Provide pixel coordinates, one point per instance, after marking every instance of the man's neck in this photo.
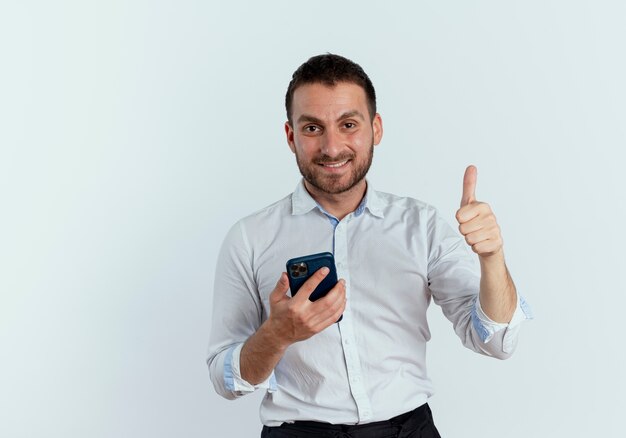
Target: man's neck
(340, 204)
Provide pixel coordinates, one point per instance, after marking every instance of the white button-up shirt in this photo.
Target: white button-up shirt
(395, 254)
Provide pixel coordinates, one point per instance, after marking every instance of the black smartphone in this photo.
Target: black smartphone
(299, 270)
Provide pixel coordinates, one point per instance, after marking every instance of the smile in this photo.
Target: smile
(335, 165)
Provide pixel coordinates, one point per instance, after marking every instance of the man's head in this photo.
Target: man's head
(333, 125)
(330, 70)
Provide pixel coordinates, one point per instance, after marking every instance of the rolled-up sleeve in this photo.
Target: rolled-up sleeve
(237, 314)
(506, 333)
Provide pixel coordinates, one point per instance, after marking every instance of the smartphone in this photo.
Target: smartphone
(299, 270)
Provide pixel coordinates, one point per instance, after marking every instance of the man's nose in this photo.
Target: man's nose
(333, 143)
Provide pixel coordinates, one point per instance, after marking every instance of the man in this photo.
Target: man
(364, 376)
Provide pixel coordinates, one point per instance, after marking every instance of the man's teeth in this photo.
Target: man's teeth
(336, 164)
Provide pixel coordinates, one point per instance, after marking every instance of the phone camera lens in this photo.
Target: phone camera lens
(298, 270)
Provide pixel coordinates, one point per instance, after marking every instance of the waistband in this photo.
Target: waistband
(422, 412)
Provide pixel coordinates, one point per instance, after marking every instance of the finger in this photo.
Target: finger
(469, 185)
(333, 318)
(487, 247)
(482, 235)
(309, 286)
(333, 298)
(328, 312)
(467, 213)
(467, 227)
(280, 291)
(474, 217)
(342, 302)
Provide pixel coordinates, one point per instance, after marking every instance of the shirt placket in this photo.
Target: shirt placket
(346, 328)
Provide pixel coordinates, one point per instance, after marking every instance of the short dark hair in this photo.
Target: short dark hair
(330, 69)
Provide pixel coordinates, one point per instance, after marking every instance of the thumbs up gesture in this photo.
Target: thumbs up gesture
(477, 223)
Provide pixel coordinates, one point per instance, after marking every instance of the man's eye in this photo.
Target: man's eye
(349, 125)
(311, 128)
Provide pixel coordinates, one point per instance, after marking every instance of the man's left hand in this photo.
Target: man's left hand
(476, 220)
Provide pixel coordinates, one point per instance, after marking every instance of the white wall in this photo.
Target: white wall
(134, 133)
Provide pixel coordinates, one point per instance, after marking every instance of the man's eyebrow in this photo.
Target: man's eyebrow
(305, 118)
(351, 114)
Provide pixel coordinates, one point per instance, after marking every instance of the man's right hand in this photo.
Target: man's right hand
(291, 319)
(297, 318)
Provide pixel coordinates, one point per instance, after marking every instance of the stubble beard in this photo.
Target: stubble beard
(331, 184)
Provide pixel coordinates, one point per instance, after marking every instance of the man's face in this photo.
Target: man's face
(333, 136)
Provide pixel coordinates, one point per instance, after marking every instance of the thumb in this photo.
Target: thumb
(281, 289)
(469, 186)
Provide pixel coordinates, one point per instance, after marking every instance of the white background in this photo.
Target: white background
(134, 133)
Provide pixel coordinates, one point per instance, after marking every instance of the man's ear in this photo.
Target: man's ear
(289, 133)
(377, 127)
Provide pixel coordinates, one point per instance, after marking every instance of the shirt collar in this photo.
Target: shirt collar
(302, 202)
(373, 202)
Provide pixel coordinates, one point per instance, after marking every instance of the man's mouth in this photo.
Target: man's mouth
(335, 165)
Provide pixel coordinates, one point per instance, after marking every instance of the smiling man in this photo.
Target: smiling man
(364, 376)
(333, 137)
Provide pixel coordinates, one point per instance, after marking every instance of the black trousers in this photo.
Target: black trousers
(414, 424)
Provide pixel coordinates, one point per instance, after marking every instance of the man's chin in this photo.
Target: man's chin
(331, 187)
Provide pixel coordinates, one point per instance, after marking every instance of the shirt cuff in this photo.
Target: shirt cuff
(487, 328)
(232, 375)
